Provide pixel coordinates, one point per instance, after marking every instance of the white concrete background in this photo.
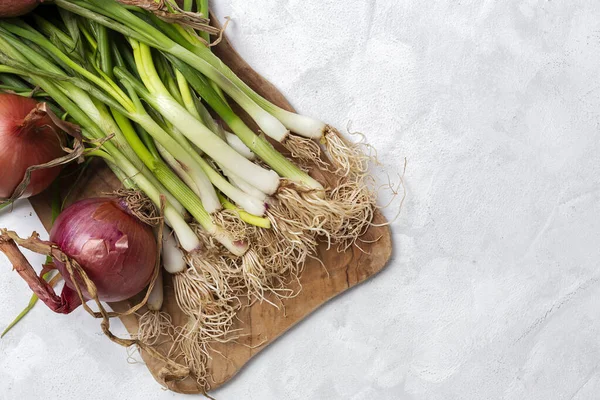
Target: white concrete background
(493, 289)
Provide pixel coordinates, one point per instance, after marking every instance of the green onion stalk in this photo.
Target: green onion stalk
(189, 161)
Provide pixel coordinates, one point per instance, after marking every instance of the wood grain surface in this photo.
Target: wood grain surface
(260, 324)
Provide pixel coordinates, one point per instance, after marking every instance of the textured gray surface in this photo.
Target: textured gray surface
(493, 290)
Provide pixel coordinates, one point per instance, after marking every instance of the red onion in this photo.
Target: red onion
(116, 250)
(27, 138)
(15, 8)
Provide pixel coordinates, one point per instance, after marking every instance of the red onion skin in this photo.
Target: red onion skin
(116, 250)
(16, 8)
(22, 146)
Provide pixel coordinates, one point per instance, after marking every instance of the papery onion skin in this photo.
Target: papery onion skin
(16, 8)
(36, 143)
(116, 250)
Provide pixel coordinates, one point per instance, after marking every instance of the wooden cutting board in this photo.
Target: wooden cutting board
(260, 324)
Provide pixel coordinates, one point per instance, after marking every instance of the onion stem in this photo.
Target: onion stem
(32, 302)
(39, 39)
(156, 297)
(264, 223)
(173, 258)
(55, 35)
(187, 5)
(203, 9)
(186, 96)
(239, 146)
(242, 184)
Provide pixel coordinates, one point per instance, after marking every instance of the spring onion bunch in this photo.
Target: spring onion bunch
(153, 101)
(183, 47)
